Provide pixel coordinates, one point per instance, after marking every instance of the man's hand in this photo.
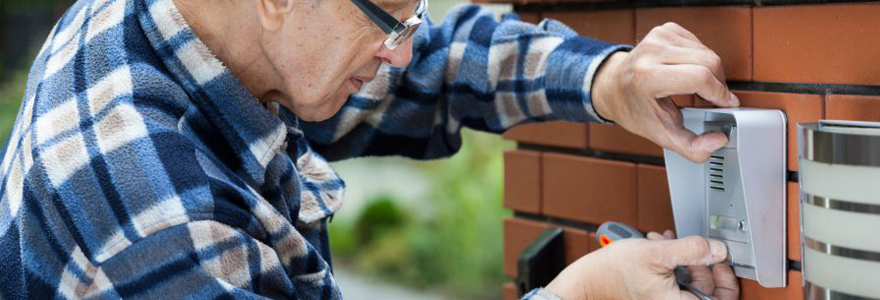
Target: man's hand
(632, 89)
(643, 269)
(718, 281)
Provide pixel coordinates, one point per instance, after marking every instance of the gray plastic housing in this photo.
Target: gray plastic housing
(738, 195)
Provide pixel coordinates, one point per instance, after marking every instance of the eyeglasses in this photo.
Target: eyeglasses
(397, 32)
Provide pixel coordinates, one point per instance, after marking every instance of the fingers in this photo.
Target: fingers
(689, 251)
(718, 281)
(673, 45)
(667, 235)
(685, 79)
(684, 33)
(672, 61)
(655, 236)
(675, 34)
(702, 279)
(674, 55)
(726, 285)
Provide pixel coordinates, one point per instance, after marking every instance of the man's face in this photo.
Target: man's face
(324, 52)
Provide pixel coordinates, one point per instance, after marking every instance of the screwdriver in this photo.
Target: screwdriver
(611, 231)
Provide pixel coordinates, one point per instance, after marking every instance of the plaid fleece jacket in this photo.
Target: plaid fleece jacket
(139, 166)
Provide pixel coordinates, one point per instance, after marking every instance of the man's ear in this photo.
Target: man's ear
(273, 12)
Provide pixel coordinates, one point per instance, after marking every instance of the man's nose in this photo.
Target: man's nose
(399, 57)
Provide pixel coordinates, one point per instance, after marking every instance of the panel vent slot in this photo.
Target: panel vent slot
(716, 173)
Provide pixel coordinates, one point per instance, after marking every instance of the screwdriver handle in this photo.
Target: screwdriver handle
(611, 231)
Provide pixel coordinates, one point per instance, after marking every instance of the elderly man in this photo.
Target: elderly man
(179, 148)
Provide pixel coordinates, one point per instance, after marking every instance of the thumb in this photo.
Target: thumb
(697, 148)
(689, 251)
(708, 142)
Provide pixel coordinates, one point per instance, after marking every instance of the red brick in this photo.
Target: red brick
(654, 203)
(518, 234)
(594, 242)
(613, 26)
(799, 108)
(817, 44)
(727, 30)
(522, 181)
(528, 17)
(553, 133)
(509, 291)
(613, 138)
(700, 102)
(793, 232)
(852, 107)
(577, 244)
(588, 189)
(752, 290)
(683, 100)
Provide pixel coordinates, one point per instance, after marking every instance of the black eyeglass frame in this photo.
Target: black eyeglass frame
(397, 32)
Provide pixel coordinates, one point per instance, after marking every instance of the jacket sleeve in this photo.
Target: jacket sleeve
(472, 71)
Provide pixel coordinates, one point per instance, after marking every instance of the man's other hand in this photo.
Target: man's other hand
(644, 269)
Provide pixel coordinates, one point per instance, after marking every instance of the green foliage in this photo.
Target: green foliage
(379, 216)
(457, 247)
(11, 94)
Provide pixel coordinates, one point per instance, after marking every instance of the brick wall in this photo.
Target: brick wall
(813, 61)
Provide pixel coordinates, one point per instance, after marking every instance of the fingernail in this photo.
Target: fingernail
(718, 249)
(734, 100)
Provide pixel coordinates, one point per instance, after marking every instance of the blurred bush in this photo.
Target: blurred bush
(456, 248)
(30, 3)
(11, 94)
(24, 25)
(378, 217)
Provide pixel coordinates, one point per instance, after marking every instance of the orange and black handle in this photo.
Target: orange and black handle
(611, 231)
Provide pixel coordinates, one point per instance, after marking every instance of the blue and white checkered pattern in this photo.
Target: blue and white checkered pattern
(140, 167)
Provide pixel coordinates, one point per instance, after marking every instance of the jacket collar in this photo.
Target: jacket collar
(255, 134)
